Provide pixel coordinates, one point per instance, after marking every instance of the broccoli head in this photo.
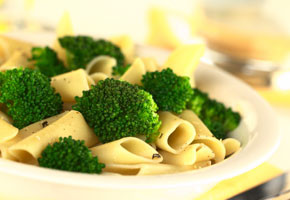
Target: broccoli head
(46, 61)
(28, 96)
(169, 91)
(70, 155)
(117, 109)
(82, 49)
(216, 116)
(119, 70)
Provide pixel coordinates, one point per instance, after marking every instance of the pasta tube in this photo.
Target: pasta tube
(102, 64)
(232, 145)
(200, 127)
(71, 84)
(150, 63)
(175, 133)
(98, 76)
(71, 124)
(126, 45)
(128, 150)
(216, 146)
(17, 59)
(7, 131)
(134, 74)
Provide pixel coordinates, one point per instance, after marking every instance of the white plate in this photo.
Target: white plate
(258, 132)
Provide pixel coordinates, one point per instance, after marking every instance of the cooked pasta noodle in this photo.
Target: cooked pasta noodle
(200, 128)
(102, 64)
(126, 45)
(71, 84)
(16, 60)
(190, 155)
(232, 145)
(70, 124)
(151, 64)
(216, 146)
(134, 74)
(7, 131)
(175, 133)
(98, 76)
(128, 150)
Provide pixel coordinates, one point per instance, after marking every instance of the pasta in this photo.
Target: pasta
(184, 142)
(127, 150)
(71, 84)
(175, 134)
(192, 154)
(71, 123)
(7, 131)
(134, 74)
(17, 59)
(231, 145)
(102, 64)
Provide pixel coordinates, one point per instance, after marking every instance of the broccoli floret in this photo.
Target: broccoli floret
(120, 70)
(169, 91)
(82, 49)
(46, 61)
(70, 155)
(216, 116)
(117, 109)
(28, 96)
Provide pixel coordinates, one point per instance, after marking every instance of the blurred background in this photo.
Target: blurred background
(248, 38)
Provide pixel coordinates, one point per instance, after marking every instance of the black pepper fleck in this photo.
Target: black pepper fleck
(156, 155)
(44, 124)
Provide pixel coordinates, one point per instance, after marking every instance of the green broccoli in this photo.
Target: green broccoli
(28, 96)
(219, 119)
(82, 49)
(120, 70)
(117, 109)
(70, 155)
(46, 61)
(169, 91)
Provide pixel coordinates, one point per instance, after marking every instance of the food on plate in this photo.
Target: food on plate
(101, 108)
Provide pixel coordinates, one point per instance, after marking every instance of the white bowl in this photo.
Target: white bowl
(258, 133)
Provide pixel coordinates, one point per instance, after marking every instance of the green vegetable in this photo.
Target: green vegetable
(120, 70)
(28, 96)
(46, 61)
(82, 49)
(219, 119)
(117, 109)
(169, 91)
(70, 155)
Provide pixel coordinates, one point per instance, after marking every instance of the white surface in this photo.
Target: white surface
(258, 145)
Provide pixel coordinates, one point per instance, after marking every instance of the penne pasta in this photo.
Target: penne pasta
(202, 164)
(189, 156)
(70, 124)
(7, 131)
(200, 127)
(24, 133)
(175, 133)
(146, 169)
(134, 74)
(64, 28)
(126, 45)
(150, 63)
(17, 59)
(71, 84)
(102, 64)
(232, 145)
(98, 76)
(183, 61)
(128, 150)
(9, 45)
(215, 145)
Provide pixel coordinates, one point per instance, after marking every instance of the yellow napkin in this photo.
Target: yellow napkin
(231, 187)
